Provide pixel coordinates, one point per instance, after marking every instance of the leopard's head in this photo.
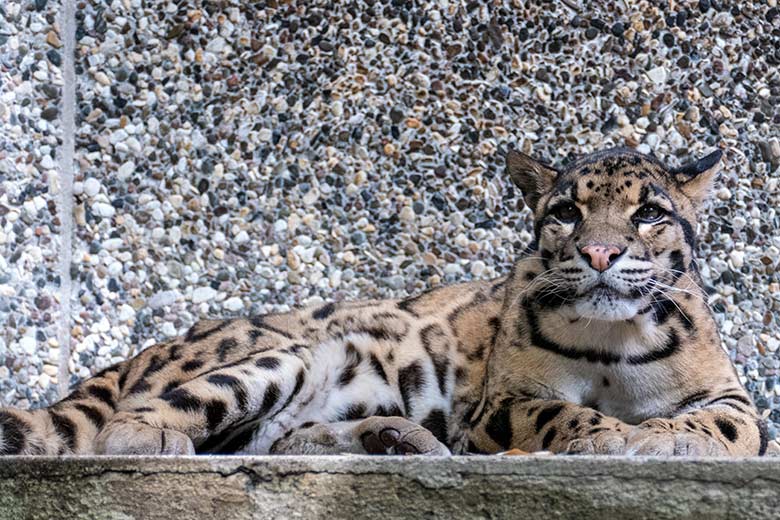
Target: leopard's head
(615, 230)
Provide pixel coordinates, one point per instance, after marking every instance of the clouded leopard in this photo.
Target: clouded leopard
(599, 340)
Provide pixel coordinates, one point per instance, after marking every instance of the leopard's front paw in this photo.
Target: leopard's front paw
(398, 436)
(606, 442)
(134, 438)
(314, 439)
(660, 438)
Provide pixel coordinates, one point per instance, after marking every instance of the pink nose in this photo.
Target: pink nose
(600, 256)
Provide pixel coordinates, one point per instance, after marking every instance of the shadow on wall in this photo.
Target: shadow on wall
(238, 158)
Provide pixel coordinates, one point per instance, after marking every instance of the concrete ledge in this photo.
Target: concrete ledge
(389, 487)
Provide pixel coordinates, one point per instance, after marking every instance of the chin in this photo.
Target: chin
(607, 308)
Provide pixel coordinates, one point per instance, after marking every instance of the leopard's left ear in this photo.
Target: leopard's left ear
(533, 177)
(696, 179)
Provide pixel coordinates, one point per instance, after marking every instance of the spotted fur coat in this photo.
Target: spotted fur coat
(599, 340)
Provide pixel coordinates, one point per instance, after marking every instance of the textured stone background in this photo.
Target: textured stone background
(236, 157)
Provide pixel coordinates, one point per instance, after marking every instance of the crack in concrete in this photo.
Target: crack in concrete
(268, 476)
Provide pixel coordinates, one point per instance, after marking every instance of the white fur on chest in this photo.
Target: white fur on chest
(630, 392)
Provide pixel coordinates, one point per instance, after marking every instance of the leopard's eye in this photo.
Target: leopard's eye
(649, 214)
(566, 212)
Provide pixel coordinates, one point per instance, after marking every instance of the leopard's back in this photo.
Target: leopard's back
(252, 380)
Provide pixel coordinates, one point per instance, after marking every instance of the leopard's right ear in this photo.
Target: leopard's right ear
(532, 177)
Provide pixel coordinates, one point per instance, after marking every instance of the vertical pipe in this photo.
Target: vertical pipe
(65, 206)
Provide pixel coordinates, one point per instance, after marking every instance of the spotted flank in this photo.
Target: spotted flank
(599, 340)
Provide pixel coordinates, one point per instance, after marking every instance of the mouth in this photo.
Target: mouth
(606, 303)
(602, 290)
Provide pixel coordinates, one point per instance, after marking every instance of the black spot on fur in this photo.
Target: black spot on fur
(268, 362)
(478, 299)
(258, 322)
(547, 415)
(193, 335)
(295, 348)
(574, 423)
(238, 441)
(215, 413)
(14, 432)
(353, 360)
(299, 380)
(103, 394)
(672, 347)
(353, 412)
(391, 410)
(377, 366)
(65, 428)
(595, 420)
(107, 371)
(688, 232)
(549, 437)
(605, 382)
(441, 360)
(497, 287)
(476, 355)
(93, 414)
(155, 365)
(436, 423)
(411, 380)
(499, 425)
(181, 399)
(270, 398)
(225, 346)
(408, 304)
(726, 428)
(143, 409)
(384, 331)
(677, 262)
(213, 442)
(663, 309)
(170, 386)
(324, 311)
(140, 387)
(191, 366)
(238, 388)
(175, 353)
